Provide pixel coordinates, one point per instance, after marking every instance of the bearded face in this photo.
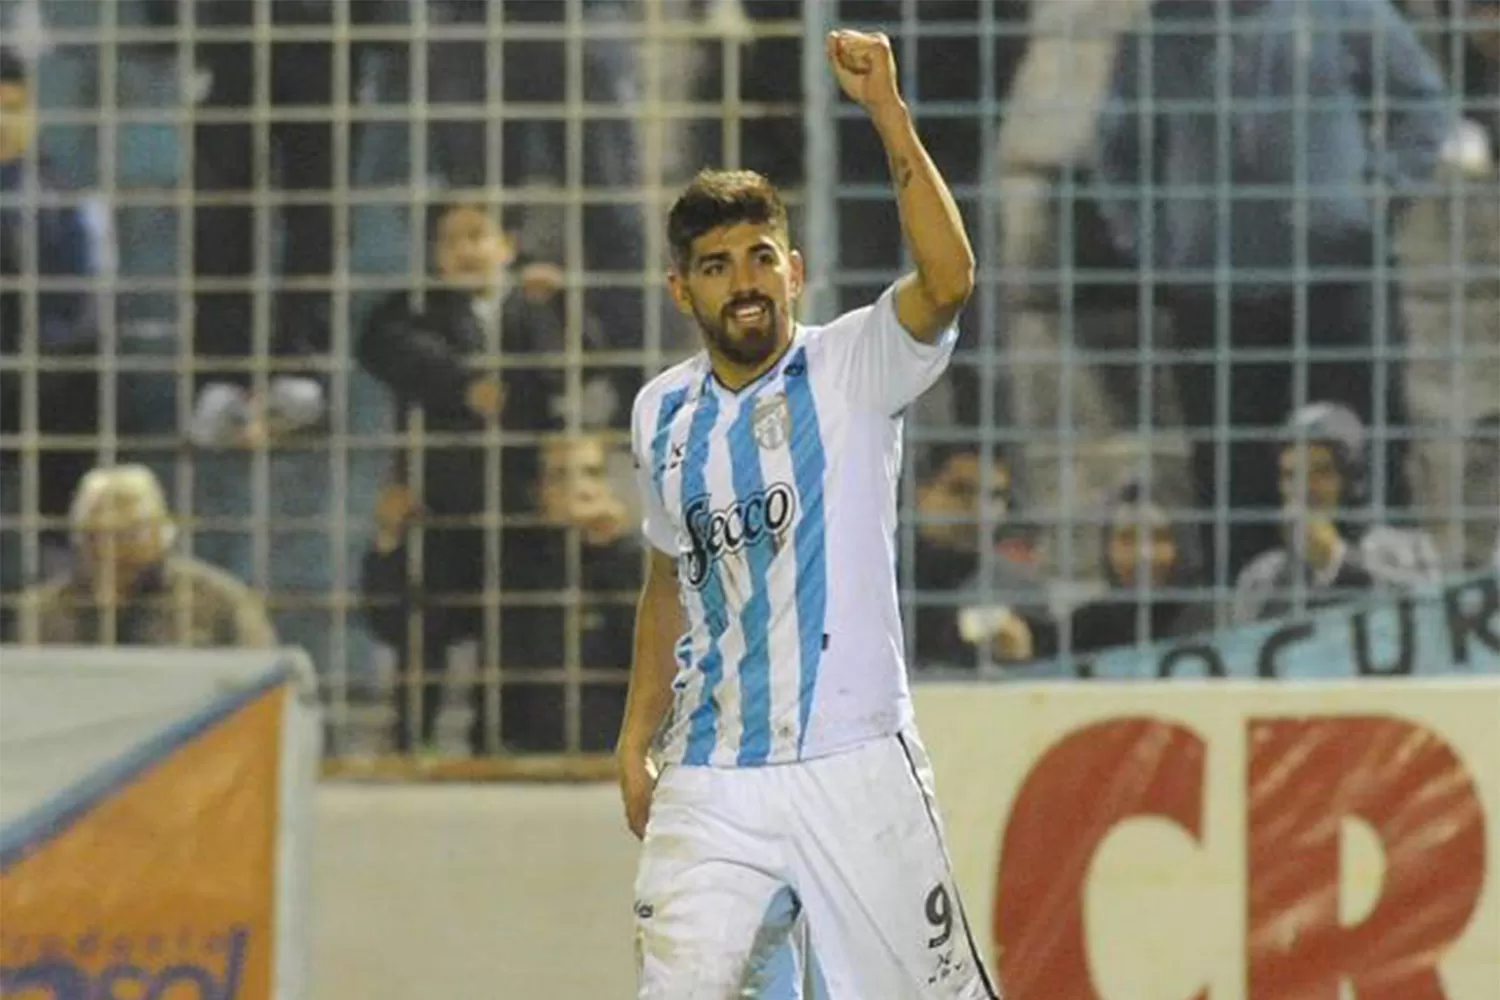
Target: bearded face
(739, 285)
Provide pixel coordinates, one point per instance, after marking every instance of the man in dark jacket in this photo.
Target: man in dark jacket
(575, 572)
(954, 499)
(1149, 562)
(435, 350)
(532, 71)
(431, 354)
(570, 571)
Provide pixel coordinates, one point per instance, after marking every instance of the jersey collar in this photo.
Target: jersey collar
(710, 382)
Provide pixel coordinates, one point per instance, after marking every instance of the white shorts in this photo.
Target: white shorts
(736, 860)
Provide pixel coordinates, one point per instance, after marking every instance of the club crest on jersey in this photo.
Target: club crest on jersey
(761, 517)
(771, 423)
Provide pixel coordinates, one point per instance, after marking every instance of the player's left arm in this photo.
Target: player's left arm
(929, 299)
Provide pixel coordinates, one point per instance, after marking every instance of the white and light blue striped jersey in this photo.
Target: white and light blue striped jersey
(779, 504)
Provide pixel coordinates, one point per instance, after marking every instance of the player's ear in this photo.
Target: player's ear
(799, 273)
(679, 289)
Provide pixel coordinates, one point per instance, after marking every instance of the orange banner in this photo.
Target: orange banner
(163, 888)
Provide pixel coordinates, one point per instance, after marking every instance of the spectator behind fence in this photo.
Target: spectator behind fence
(1481, 493)
(577, 507)
(952, 504)
(1150, 563)
(430, 348)
(422, 618)
(1326, 108)
(571, 494)
(54, 243)
(1331, 550)
(128, 588)
(425, 345)
(534, 151)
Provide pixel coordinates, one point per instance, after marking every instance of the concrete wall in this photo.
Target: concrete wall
(479, 892)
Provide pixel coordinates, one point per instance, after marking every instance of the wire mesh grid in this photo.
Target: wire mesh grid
(582, 118)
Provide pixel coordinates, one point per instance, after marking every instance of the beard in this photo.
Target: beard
(748, 345)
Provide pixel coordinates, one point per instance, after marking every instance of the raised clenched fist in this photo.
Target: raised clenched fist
(865, 67)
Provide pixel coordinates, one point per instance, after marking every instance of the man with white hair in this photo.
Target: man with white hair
(128, 587)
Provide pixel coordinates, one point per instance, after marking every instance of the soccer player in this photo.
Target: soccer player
(769, 683)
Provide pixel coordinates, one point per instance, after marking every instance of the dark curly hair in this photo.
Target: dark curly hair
(721, 198)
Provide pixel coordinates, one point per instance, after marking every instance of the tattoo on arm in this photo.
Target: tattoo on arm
(901, 169)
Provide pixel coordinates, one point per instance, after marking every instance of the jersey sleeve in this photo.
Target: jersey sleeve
(656, 525)
(879, 363)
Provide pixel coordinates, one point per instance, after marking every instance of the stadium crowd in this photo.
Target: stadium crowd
(356, 375)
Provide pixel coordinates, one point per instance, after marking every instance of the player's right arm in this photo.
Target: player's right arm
(658, 624)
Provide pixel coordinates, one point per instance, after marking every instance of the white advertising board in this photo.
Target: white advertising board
(1227, 840)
